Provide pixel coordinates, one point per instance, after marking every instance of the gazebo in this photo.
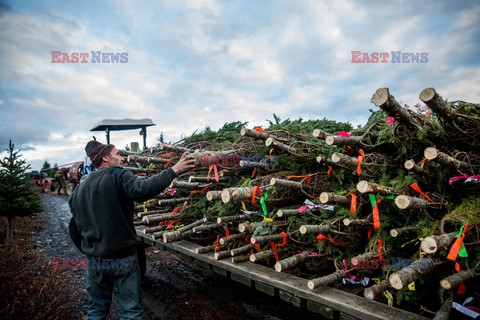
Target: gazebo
(108, 125)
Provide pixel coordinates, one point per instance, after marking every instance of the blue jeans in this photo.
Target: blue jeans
(100, 281)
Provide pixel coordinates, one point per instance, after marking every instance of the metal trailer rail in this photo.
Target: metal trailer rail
(329, 302)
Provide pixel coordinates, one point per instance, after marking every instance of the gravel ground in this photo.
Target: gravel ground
(174, 289)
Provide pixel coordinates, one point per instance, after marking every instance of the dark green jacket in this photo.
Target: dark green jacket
(103, 206)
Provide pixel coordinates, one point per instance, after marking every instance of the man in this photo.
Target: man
(102, 227)
(61, 175)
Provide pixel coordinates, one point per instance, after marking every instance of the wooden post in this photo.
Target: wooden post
(291, 261)
(414, 271)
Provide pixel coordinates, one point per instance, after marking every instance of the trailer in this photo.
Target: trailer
(330, 303)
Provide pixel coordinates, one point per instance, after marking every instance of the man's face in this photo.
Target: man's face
(114, 159)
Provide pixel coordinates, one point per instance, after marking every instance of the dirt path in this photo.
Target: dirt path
(174, 289)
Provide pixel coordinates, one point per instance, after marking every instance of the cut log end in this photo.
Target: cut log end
(278, 267)
(396, 282)
(311, 285)
(324, 197)
(369, 294)
(269, 142)
(225, 195)
(335, 157)
(445, 284)
(380, 97)
(362, 186)
(430, 153)
(347, 221)
(394, 233)
(303, 229)
(402, 201)
(272, 181)
(243, 131)
(427, 94)
(429, 245)
(409, 164)
(330, 140)
(209, 196)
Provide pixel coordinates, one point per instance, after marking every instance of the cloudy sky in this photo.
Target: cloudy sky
(194, 63)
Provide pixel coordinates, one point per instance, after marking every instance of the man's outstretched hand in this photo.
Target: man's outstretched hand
(186, 163)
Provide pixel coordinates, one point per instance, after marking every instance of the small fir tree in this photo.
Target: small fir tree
(18, 196)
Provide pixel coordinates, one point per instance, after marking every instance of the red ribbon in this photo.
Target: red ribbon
(254, 192)
(376, 215)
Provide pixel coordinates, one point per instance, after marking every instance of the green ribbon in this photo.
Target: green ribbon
(463, 251)
(246, 182)
(262, 203)
(373, 198)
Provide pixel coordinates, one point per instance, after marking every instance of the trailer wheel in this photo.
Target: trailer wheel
(69, 189)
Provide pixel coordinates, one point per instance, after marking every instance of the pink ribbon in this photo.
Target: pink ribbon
(344, 134)
(462, 177)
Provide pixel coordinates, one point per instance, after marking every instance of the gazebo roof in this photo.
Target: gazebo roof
(122, 124)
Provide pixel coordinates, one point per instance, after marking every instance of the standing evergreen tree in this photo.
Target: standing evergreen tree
(17, 194)
(45, 168)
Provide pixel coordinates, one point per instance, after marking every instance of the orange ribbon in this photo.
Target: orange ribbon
(321, 237)
(376, 215)
(353, 203)
(168, 154)
(457, 245)
(308, 176)
(462, 287)
(379, 248)
(215, 172)
(254, 192)
(254, 171)
(168, 162)
(271, 151)
(417, 188)
(227, 233)
(258, 129)
(359, 161)
(329, 170)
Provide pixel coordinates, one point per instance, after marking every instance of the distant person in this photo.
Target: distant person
(102, 227)
(61, 175)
